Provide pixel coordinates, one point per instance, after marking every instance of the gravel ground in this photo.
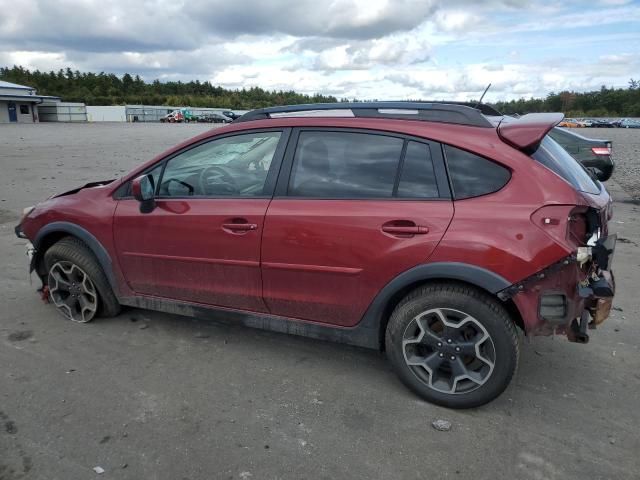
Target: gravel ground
(626, 154)
(39, 160)
(147, 395)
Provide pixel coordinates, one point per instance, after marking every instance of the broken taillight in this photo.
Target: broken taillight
(553, 220)
(578, 228)
(567, 224)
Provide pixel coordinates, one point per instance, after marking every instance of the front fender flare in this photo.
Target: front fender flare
(103, 257)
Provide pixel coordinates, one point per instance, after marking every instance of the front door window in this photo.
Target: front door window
(234, 166)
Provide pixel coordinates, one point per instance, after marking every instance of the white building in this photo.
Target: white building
(19, 104)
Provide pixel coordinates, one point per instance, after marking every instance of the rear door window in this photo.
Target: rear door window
(554, 157)
(472, 175)
(344, 165)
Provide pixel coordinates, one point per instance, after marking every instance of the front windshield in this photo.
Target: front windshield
(554, 157)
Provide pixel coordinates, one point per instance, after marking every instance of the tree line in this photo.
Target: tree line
(606, 102)
(110, 89)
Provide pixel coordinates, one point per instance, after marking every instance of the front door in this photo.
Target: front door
(13, 114)
(358, 209)
(201, 243)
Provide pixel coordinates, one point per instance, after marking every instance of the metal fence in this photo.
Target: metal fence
(62, 112)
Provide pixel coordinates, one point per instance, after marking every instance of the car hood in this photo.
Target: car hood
(88, 185)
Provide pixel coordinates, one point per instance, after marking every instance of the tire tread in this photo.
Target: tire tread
(453, 289)
(75, 250)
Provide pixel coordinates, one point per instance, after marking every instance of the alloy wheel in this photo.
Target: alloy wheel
(448, 350)
(72, 292)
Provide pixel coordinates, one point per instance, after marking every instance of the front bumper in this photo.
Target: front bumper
(18, 230)
(568, 297)
(30, 250)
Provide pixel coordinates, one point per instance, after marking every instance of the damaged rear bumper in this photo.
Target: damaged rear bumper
(568, 297)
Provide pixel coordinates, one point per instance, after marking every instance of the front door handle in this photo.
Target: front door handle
(404, 227)
(239, 227)
(413, 230)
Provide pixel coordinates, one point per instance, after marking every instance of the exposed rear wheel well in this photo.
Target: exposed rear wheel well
(397, 297)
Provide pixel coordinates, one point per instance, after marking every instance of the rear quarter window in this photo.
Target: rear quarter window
(472, 175)
(557, 159)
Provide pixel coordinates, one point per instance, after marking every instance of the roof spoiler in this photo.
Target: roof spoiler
(527, 131)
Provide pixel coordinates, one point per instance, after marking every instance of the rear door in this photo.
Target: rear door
(352, 210)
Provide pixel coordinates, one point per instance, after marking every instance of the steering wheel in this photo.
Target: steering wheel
(217, 176)
(257, 165)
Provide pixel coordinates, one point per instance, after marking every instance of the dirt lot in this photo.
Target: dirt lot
(155, 396)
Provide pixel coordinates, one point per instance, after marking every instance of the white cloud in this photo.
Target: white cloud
(391, 49)
(456, 20)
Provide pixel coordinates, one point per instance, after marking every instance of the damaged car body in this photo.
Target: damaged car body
(430, 231)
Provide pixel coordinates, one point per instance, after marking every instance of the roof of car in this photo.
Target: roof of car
(523, 132)
(442, 112)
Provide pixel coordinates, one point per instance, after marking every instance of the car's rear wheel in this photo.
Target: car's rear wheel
(77, 285)
(453, 345)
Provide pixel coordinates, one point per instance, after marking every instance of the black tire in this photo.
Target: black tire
(74, 251)
(486, 311)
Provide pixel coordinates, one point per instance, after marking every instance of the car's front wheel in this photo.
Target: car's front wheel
(453, 345)
(77, 285)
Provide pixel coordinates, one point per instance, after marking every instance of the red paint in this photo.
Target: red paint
(325, 260)
(528, 130)
(185, 250)
(351, 258)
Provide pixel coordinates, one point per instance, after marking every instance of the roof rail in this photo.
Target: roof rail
(484, 108)
(424, 111)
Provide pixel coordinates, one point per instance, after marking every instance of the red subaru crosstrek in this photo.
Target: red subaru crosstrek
(430, 231)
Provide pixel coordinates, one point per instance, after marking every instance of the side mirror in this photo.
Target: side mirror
(143, 189)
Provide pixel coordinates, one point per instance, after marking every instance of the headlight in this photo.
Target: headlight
(27, 211)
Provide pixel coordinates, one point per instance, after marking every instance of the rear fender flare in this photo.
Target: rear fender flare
(103, 257)
(375, 316)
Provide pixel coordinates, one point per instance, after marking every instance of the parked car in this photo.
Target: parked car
(629, 123)
(602, 123)
(214, 118)
(231, 115)
(189, 116)
(174, 117)
(593, 154)
(429, 231)
(570, 123)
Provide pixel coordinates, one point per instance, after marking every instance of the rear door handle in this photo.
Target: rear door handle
(405, 230)
(242, 227)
